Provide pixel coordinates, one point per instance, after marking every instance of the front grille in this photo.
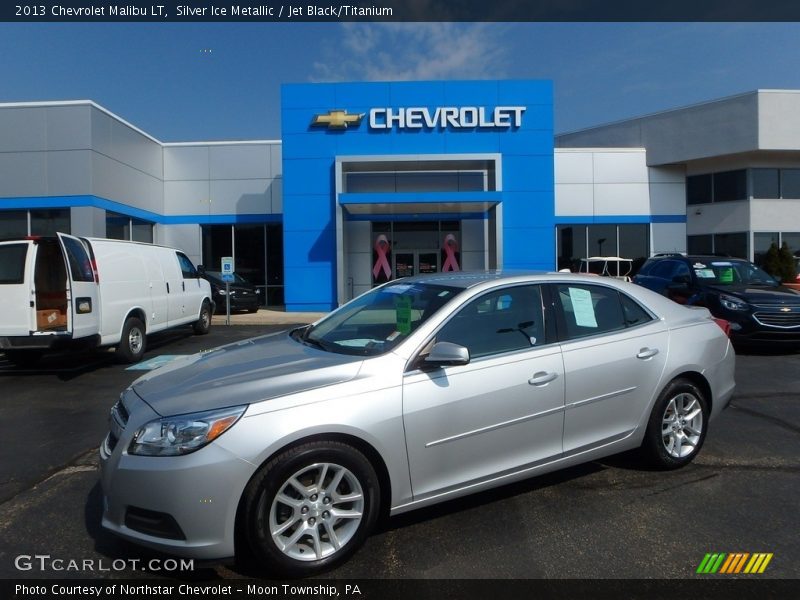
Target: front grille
(785, 320)
(117, 421)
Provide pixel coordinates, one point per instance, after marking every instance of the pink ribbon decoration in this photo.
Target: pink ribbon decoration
(381, 264)
(450, 249)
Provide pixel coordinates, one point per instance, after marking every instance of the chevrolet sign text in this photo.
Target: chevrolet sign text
(465, 117)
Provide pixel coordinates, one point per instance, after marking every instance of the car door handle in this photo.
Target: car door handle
(542, 378)
(647, 353)
(183, 285)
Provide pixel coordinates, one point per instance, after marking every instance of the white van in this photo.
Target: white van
(64, 290)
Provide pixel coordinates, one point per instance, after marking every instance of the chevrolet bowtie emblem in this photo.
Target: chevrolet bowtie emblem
(786, 309)
(337, 119)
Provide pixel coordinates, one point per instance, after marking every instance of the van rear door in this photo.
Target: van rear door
(82, 293)
(17, 310)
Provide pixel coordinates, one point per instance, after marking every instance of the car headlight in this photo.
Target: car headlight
(732, 303)
(222, 292)
(182, 434)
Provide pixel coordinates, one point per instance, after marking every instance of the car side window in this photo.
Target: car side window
(79, 264)
(667, 269)
(589, 310)
(187, 268)
(499, 321)
(633, 313)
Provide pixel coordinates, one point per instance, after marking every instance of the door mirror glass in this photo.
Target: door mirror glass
(446, 353)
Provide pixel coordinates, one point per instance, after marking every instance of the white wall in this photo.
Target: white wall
(602, 182)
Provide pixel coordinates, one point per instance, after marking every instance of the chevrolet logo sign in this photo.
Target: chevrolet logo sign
(337, 119)
(786, 309)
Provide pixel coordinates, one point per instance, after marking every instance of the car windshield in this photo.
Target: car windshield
(731, 272)
(217, 275)
(379, 320)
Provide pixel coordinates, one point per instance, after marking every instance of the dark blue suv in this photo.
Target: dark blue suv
(759, 308)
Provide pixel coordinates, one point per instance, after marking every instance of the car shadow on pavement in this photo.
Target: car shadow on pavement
(67, 365)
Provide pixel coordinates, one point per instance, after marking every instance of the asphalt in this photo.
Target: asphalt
(609, 519)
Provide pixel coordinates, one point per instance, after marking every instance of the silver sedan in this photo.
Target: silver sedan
(417, 392)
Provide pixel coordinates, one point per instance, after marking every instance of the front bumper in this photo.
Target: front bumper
(182, 505)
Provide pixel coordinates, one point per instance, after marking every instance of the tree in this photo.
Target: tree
(779, 262)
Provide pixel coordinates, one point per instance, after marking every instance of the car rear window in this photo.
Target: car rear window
(12, 263)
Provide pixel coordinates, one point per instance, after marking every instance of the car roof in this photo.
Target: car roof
(470, 279)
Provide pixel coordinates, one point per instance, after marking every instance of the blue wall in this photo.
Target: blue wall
(309, 159)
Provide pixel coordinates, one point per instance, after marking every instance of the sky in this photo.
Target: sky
(221, 81)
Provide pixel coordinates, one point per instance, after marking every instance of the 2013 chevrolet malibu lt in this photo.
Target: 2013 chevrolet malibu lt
(419, 391)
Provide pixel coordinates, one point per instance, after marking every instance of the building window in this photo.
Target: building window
(790, 183)
(574, 242)
(766, 183)
(257, 250)
(50, 221)
(698, 189)
(763, 240)
(716, 187)
(13, 224)
(731, 244)
(721, 244)
(730, 185)
(122, 227)
(700, 244)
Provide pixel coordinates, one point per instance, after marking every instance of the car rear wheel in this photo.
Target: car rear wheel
(311, 507)
(677, 427)
(133, 342)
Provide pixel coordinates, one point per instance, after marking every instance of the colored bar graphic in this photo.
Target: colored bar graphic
(733, 563)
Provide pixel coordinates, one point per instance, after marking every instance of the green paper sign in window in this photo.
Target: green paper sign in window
(726, 275)
(402, 307)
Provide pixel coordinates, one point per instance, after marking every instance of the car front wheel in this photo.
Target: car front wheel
(311, 507)
(677, 427)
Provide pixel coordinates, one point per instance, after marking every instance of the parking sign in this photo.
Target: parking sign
(227, 265)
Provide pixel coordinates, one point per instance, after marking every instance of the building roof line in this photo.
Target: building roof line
(676, 109)
(93, 104)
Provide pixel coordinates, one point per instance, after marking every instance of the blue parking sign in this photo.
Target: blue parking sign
(227, 265)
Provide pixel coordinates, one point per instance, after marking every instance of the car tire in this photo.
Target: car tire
(24, 358)
(297, 532)
(677, 426)
(253, 310)
(133, 342)
(203, 324)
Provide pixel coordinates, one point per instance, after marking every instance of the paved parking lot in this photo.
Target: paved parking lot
(606, 519)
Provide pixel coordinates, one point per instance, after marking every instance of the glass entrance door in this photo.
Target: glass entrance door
(411, 262)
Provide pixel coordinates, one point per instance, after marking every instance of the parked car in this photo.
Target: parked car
(419, 391)
(63, 290)
(243, 294)
(607, 266)
(759, 308)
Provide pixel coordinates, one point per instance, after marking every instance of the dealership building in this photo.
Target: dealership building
(372, 181)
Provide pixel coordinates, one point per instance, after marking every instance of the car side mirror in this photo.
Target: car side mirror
(446, 354)
(201, 269)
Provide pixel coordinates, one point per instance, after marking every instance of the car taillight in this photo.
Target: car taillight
(94, 270)
(724, 325)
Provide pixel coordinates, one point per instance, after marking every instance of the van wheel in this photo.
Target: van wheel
(24, 358)
(203, 324)
(133, 342)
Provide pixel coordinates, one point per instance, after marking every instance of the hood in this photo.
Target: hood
(760, 294)
(245, 372)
